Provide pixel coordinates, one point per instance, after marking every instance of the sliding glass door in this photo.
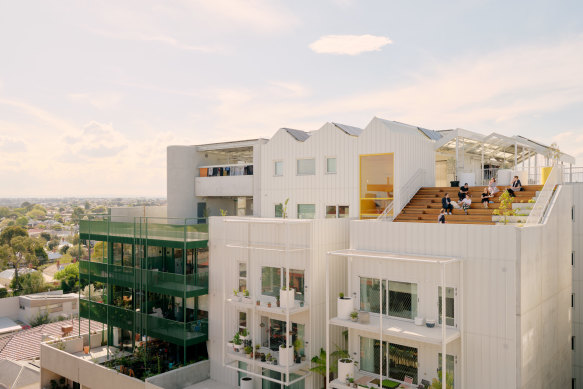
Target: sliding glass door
(400, 361)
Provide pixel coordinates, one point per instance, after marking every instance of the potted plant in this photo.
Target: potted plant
(349, 380)
(269, 358)
(249, 351)
(287, 297)
(286, 355)
(258, 302)
(236, 296)
(246, 297)
(237, 342)
(277, 302)
(269, 304)
(344, 307)
(346, 367)
(244, 334)
(354, 316)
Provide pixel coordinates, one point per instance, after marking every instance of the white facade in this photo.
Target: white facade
(578, 283)
(291, 246)
(412, 151)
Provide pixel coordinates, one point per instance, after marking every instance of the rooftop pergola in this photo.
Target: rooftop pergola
(496, 148)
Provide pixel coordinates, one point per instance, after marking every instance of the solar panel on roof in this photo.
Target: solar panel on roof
(298, 134)
(350, 130)
(433, 135)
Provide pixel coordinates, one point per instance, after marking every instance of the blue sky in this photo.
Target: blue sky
(91, 93)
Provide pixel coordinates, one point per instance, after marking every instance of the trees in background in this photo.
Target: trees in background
(28, 283)
(18, 249)
(69, 278)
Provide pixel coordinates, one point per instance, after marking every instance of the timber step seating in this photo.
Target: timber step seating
(424, 207)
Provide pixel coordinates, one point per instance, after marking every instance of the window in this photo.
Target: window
(273, 278)
(306, 167)
(343, 211)
(450, 365)
(242, 276)
(306, 211)
(330, 212)
(278, 168)
(331, 165)
(402, 297)
(242, 320)
(270, 281)
(400, 361)
(449, 305)
(279, 210)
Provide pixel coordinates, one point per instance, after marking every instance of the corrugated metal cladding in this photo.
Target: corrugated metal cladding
(516, 290)
(411, 148)
(578, 281)
(316, 236)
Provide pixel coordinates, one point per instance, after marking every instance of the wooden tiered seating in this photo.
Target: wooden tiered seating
(424, 207)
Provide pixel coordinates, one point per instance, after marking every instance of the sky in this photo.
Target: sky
(92, 93)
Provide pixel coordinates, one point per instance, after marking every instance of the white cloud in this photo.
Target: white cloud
(349, 44)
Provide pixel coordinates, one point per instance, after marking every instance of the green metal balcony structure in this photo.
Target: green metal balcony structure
(145, 278)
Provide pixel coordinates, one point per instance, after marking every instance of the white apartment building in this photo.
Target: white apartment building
(343, 210)
(508, 288)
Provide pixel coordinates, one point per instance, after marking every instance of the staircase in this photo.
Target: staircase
(424, 207)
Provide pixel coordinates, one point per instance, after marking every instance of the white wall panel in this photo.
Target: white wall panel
(578, 282)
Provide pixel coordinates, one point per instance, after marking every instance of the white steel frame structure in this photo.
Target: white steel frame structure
(440, 263)
(254, 365)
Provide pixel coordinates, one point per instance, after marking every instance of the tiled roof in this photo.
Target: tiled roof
(25, 345)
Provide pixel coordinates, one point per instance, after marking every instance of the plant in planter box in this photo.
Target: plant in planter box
(269, 358)
(287, 297)
(249, 351)
(269, 304)
(349, 380)
(236, 295)
(354, 316)
(245, 293)
(237, 342)
(244, 334)
(346, 366)
(344, 307)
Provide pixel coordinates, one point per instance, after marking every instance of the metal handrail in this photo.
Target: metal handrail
(386, 211)
(544, 197)
(409, 190)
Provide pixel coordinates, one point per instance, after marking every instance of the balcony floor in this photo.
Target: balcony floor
(401, 329)
(249, 304)
(297, 368)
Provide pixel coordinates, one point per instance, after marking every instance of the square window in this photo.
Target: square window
(330, 212)
(306, 167)
(331, 165)
(279, 210)
(343, 211)
(278, 168)
(306, 211)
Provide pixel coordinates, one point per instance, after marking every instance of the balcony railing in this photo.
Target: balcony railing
(172, 331)
(143, 229)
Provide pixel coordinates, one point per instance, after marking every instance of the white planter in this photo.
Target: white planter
(95, 340)
(246, 383)
(344, 307)
(345, 369)
(286, 356)
(287, 298)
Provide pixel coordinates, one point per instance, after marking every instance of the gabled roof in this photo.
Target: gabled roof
(431, 134)
(299, 135)
(350, 130)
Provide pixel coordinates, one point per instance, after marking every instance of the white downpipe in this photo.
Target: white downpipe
(326, 378)
(443, 325)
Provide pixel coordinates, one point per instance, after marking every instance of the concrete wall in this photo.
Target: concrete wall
(180, 378)
(57, 363)
(224, 186)
(412, 150)
(9, 307)
(578, 283)
(181, 170)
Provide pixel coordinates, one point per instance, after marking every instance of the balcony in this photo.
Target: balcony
(150, 231)
(180, 333)
(190, 285)
(224, 186)
(399, 328)
(267, 304)
(255, 360)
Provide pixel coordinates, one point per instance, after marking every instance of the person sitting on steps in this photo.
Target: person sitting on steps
(463, 191)
(515, 186)
(486, 196)
(446, 204)
(466, 203)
